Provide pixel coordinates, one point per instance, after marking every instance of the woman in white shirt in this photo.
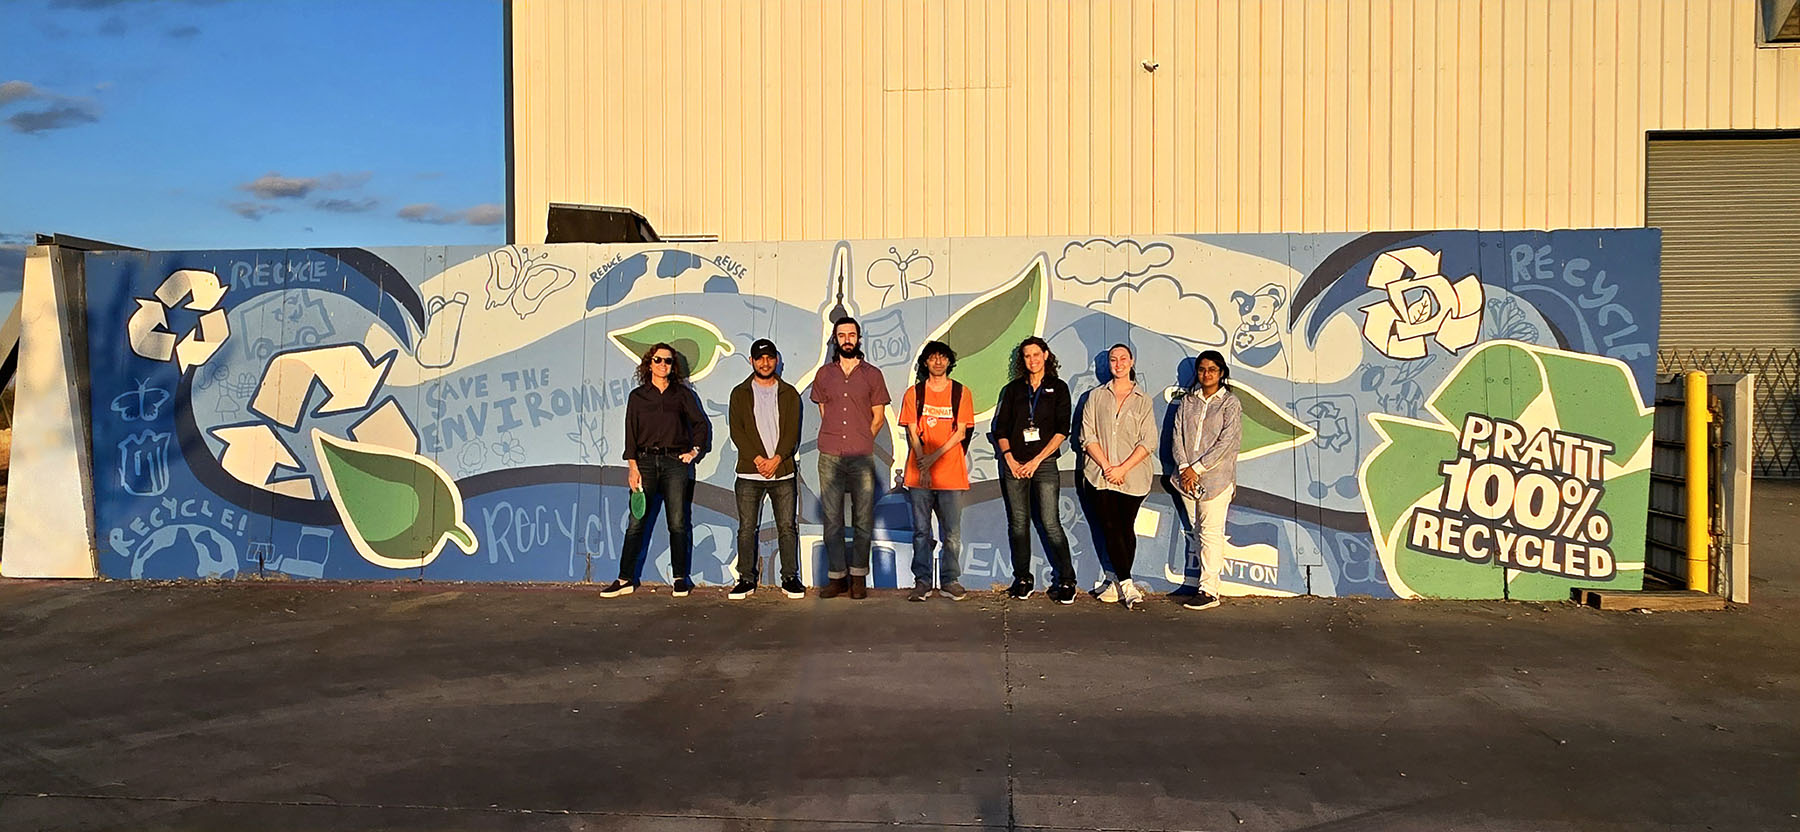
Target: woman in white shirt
(1208, 433)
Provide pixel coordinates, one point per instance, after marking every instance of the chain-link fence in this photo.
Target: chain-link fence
(1775, 438)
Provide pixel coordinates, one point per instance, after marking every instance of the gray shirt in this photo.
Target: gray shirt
(1208, 433)
(767, 409)
(1119, 429)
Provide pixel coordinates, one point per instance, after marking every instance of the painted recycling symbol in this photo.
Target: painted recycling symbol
(390, 498)
(1533, 471)
(1420, 302)
(255, 453)
(148, 329)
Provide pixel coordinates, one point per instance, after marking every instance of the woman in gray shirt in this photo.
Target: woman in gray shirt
(1208, 432)
(1119, 433)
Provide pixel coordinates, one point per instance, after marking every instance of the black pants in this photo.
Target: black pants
(668, 486)
(1118, 527)
(1031, 501)
(781, 494)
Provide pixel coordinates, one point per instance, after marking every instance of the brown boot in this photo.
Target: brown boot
(859, 587)
(834, 587)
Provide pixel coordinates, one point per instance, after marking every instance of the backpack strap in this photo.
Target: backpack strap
(919, 405)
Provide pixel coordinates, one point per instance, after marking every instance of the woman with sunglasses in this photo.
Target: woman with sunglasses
(665, 431)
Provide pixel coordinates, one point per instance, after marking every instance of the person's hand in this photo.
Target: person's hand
(1028, 470)
(634, 479)
(925, 479)
(1014, 468)
(1116, 475)
(690, 456)
(1190, 480)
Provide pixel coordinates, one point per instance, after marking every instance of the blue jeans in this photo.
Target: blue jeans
(1035, 500)
(948, 506)
(668, 484)
(781, 494)
(852, 476)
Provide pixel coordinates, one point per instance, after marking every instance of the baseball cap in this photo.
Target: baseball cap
(762, 347)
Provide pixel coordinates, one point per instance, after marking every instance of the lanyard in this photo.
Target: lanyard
(1031, 415)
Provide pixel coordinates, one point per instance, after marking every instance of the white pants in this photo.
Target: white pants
(1206, 535)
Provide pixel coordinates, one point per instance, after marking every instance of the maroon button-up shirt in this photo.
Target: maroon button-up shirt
(849, 403)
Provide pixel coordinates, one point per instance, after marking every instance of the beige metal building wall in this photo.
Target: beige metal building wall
(820, 119)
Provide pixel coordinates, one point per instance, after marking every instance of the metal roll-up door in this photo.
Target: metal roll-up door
(1729, 210)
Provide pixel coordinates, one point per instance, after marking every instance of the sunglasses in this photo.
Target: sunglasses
(657, 359)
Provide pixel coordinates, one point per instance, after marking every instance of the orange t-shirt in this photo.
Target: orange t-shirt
(951, 471)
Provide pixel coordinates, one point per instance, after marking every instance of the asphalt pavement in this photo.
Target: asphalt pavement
(262, 705)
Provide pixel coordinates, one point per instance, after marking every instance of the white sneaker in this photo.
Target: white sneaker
(1128, 589)
(1108, 592)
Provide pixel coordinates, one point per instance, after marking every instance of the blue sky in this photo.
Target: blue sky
(171, 124)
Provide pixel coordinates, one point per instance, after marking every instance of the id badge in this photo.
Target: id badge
(1032, 435)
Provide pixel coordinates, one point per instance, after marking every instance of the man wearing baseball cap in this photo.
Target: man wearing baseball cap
(765, 427)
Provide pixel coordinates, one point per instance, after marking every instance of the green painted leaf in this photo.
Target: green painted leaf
(985, 332)
(1266, 427)
(698, 341)
(399, 508)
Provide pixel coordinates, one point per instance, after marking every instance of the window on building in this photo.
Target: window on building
(1780, 21)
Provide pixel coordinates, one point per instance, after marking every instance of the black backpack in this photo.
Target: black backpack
(956, 391)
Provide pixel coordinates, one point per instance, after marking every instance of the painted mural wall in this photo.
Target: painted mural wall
(1443, 414)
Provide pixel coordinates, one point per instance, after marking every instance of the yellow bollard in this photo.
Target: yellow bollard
(1699, 542)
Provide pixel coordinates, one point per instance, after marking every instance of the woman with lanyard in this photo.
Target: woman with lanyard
(1119, 434)
(1207, 436)
(1030, 424)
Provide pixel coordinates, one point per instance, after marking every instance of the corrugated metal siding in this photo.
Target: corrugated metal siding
(818, 119)
(1730, 215)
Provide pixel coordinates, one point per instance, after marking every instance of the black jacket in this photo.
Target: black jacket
(744, 435)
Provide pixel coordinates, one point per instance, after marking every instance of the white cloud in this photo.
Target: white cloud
(487, 213)
(273, 185)
(11, 91)
(1097, 261)
(1157, 303)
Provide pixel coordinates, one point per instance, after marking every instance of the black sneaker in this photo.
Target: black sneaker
(618, 588)
(1061, 593)
(1020, 589)
(742, 590)
(682, 587)
(793, 588)
(1201, 601)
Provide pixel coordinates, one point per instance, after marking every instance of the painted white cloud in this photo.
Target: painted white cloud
(1157, 303)
(1097, 261)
